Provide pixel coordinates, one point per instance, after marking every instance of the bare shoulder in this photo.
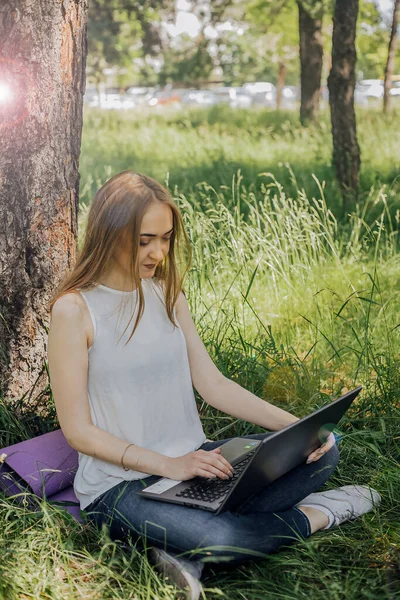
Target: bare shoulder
(71, 308)
(68, 306)
(181, 304)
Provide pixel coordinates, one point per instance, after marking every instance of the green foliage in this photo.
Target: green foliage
(281, 16)
(278, 26)
(122, 31)
(187, 62)
(371, 42)
(264, 34)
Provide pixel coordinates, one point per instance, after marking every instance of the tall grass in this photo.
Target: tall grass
(296, 306)
(193, 146)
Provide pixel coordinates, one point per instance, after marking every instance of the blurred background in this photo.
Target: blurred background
(177, 53)
(194, 92)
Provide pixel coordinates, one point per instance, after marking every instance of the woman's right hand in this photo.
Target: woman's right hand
(201, 463)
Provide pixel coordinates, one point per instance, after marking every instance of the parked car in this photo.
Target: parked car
(167, 97)
(222, 95)
(240, 98)
(199, 98)
(290, 92)
(371, 88)
(290, 95)
(395, 89)
(258, 87)
(360, 96)
(140, 95)
(262, 92)
(112, 98)
(91, 97)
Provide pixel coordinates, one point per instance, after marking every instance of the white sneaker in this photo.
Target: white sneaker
(184, 573)
(343, 504)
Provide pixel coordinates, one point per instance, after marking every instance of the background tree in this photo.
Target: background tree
(187, 62)
(42, 74)
(191, 60)
(237, 42)
(311, 58)
(341, 83)
(286, 25)
(391, 55)
(124, 33)
(307, 43)
(279, 26)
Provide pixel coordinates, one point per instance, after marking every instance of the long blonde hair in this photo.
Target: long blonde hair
(117, 209)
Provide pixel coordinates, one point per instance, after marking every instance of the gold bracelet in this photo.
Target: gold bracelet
(122, 457)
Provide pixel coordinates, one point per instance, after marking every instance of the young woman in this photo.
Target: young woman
(125, 400)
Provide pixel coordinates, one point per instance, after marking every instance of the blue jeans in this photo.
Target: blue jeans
(260, 525)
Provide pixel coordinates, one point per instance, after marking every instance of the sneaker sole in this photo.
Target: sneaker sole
(167, 566)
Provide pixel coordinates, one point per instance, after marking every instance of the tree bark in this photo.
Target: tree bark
(341, 83)
(311, 58)
(280, 84)
(42, 64)
(391, 55)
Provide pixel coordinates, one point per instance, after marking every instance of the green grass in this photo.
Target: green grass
(293, 304)
(194, 146)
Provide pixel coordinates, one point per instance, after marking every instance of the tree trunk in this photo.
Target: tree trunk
(311, 55)
(341, 83)
(280, 83)
(391, 55)
(42, 67)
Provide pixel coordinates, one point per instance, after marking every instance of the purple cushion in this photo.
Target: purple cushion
(67, 499)
(44, 465)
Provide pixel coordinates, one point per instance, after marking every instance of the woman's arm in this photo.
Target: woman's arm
(218, 390)
(231, 398)
(235, 400)
(227, 395)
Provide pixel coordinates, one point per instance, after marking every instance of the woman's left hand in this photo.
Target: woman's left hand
(319, 452)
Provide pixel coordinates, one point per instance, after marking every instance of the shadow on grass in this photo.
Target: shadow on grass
(189, 148)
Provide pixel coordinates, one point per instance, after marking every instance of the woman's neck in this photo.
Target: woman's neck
(117, 282)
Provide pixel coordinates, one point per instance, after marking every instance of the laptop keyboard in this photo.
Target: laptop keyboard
(209, 490)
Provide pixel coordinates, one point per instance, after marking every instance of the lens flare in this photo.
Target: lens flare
(5, 93)
(17, 92)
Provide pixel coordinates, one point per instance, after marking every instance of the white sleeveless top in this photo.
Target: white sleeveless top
(141, 392)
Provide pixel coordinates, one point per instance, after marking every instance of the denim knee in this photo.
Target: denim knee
(332, 456)
(222, 543)
(325, 466)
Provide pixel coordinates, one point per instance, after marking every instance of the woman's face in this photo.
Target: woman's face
(155, 234)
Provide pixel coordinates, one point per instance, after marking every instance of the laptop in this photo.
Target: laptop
(256, 462)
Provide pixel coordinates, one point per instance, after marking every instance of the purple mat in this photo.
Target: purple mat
(67, 499)
(45, 466)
